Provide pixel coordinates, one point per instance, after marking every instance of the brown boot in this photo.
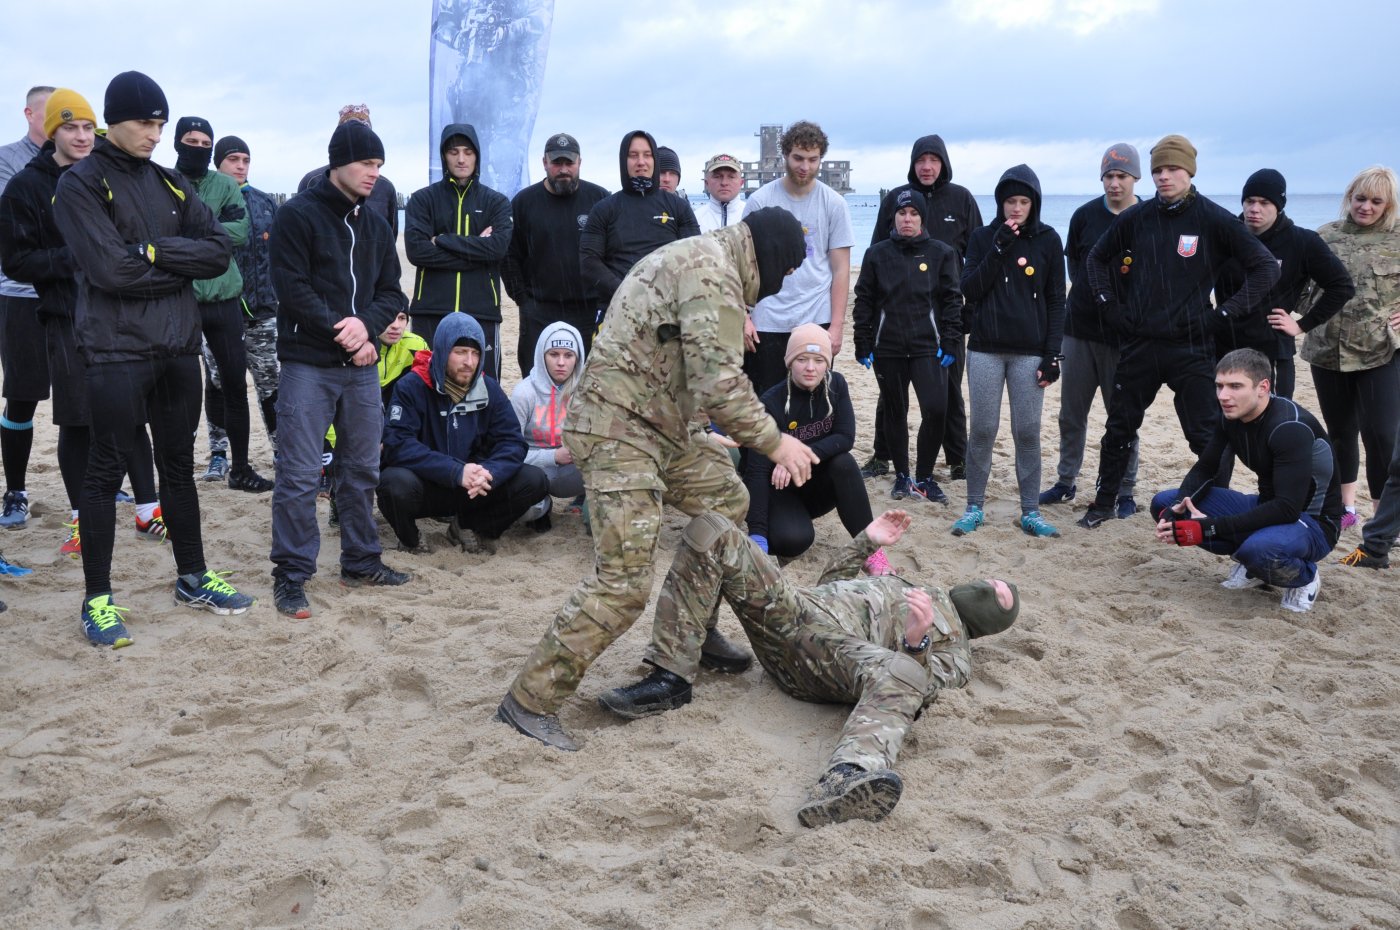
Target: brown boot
(543, 727)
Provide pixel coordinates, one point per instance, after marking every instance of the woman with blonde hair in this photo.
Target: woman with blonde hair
(1352, 355)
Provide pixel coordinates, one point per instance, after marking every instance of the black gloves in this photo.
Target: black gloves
(1050, 369)
(1003, 238)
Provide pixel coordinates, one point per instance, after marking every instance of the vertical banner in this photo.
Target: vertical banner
(485, 67)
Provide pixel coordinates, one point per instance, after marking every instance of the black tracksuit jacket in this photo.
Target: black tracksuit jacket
(908, 304)
(31, 249)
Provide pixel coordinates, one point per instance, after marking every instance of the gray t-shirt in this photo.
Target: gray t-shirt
(13, 158)
(806, 294)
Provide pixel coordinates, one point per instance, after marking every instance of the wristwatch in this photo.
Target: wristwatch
(921, 647)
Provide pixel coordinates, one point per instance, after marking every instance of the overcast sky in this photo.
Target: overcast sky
(1308, 88)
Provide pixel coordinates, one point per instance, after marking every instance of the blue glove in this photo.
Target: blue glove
(947, 359)
(868, 360)
(761, 542)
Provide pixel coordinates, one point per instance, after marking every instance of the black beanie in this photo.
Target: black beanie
(1266, 183)
(979, 609)
(132, 95)
(1010, 187)
(912, 198)
(354, 141)
(667, 160)
(193, 124)
(778, 244)
(227, 146)
(192, 160)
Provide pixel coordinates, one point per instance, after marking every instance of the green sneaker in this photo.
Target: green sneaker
(969, 521)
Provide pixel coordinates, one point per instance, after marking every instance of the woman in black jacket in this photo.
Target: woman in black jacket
(814, 404)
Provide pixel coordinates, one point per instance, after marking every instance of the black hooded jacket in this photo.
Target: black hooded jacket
(1302, 257)
(952, 211)
(31, 250)
(1016, 296)
(331, 258)
(462, 269)
(908, 301)
(111, 208)
(629, 225)
(1173, 253)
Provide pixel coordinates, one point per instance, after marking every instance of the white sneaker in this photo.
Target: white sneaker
(1239, 578)
(1301, 600)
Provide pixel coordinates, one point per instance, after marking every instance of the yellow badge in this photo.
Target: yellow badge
(792, 425)
(1127, 260)
(1030, 270)
(923, 266)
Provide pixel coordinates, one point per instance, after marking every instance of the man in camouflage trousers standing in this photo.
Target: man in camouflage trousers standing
(882, 643)
(668, 354)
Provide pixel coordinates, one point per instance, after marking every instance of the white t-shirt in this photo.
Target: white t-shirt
(826, 225)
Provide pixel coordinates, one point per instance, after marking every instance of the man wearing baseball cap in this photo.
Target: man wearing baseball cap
(724, 178)
(140, 236)
(541, 270)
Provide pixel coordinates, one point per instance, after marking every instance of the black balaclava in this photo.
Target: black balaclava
(979, 609)
(192, 160)
(778, 244)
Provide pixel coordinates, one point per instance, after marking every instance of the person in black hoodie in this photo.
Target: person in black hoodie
(33, 252)
(140, 236)
(1014, 282)
(629, 225)
(952, 215)
(814, 404)
(335, 267)
(1165, 254)
(457, 232)
(908, 319)
(1303, 259)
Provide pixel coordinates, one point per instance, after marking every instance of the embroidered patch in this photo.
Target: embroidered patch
(395, 412)
(1186, 246)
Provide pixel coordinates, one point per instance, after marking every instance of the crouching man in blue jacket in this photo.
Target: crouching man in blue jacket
(453, 446)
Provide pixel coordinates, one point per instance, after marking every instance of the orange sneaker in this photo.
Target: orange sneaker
(73, 545)
(152, 529)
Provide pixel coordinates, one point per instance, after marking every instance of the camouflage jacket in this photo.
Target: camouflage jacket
(874, 605)
(672, 345)
(1359, 337)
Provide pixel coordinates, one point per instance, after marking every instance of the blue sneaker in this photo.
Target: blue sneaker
(929, 490)
(124, 498)
(212, 593)
(16, 509)
(903, 487)
(1126, 506)
(969, 521)
(1033, 524)
(102, 622)
(1059, 493)
(11, 570)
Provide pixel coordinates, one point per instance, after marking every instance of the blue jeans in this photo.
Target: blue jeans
(309, 400)
(1284, 556)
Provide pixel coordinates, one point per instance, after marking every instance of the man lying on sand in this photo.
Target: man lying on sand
(883, 643)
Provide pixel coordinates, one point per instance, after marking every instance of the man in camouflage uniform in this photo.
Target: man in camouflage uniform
(882, 643)
(669, 352)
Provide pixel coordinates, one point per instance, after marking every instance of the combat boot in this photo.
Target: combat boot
(543, 727)
(848, 792)
(719, 654)
(655, 694)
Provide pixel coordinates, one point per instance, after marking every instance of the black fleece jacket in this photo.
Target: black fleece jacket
(542, 268)
(31, 250)
(114, 210)
(908, 302)
(461, 271)
(823, 418)
(628, 226)
(952, 210)
(1016, 296)
(1302, 257)
(1083, 320)
(331, 258)
(1173, 253)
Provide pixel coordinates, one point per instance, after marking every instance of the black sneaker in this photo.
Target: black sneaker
(719, 654)
(1094, 518)
(929, 490)
(957, 472)
(1360, 558)
(379, 576)
(655, 694)
(903, 487)
(875, 468)
(290, 597)
(244, 478)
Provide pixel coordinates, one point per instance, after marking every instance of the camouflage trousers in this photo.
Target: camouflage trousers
(626, 483)
(833, 643)
(260, 342)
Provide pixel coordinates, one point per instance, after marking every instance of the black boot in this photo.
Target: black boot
(848, 792)
(655, 694)
(719, 654)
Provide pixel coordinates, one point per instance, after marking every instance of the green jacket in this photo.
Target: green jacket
(1360, 336)
(221, 195)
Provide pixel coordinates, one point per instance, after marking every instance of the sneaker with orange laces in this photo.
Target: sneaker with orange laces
(152, 529)
(73, 545)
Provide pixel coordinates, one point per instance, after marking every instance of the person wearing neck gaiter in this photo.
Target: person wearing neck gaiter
(220, 300)
(140, 236)
(1163, 257)
(886, 644)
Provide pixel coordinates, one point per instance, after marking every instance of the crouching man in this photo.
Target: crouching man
(453, 447)
(882, 643)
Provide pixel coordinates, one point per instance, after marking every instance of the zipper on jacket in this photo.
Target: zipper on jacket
(354, 285)
(461, 196)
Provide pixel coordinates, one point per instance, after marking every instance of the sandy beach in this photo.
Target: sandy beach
(1143, 750)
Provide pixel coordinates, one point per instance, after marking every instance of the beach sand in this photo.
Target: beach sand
(1142, 750)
